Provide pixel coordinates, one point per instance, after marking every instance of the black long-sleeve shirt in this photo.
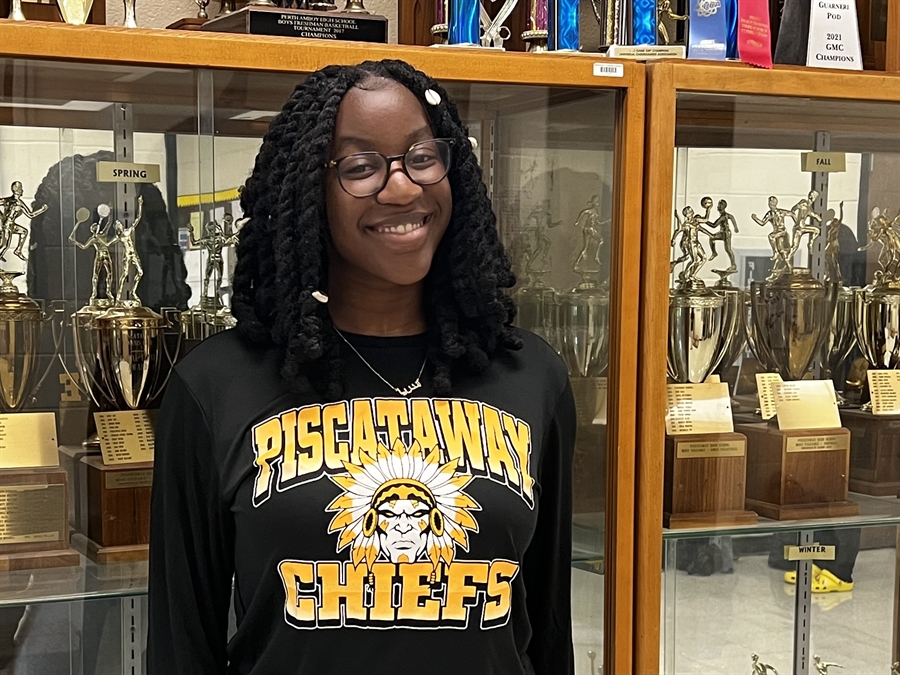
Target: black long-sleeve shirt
(380, 534)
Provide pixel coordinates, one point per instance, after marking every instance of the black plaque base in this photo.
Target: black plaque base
(301, 23)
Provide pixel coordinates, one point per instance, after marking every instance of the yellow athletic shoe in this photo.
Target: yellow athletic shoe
(826, 582)
(791, 576)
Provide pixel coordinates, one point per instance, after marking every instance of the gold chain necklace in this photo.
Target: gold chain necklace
(405, 391)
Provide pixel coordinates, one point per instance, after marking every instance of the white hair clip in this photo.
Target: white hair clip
(320, 296)
(432, 97)
(474, 142)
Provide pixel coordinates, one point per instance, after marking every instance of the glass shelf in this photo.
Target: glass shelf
(873, 512)
(86, 581)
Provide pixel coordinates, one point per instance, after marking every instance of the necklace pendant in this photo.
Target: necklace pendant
(410, 389)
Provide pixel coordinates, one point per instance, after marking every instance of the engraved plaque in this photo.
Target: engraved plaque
(820, 443)
(726, 448)
(126, 436)
(28, 440)
(32, 513)
(119, 480)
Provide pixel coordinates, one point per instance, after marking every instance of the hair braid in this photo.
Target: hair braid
(283, 248)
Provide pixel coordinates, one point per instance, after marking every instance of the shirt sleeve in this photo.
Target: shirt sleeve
(547, 565)
(191, 544)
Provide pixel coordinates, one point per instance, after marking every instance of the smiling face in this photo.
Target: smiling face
(387, 239)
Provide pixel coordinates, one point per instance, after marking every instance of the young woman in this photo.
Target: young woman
(375, 457)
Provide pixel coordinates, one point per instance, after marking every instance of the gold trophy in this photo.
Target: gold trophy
(876, 321)
(796, 473)
(536, 302)
(210, 315)
(33, 489)
(584, 310)
(705, 472)
(120, 345)
(124, 361)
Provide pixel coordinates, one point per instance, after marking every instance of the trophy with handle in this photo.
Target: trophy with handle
(876, 322)
(33, 488)
(795, 472)
(704, 328)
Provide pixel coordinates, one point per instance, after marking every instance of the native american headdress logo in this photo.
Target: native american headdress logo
(402, 505)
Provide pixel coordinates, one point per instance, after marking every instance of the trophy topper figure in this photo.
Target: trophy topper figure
(823, 666)
(761, 668)
(536, 242)
(833, 246)
(805, 223)
(213, 242)
(102, 268)
(884, 231)
(692, 251)
(778, 237)
(10, 209)
(664, 10)
(589, 222)
(126, 237)
(723, 225)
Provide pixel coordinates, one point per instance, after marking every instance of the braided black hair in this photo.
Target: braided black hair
(282, 253)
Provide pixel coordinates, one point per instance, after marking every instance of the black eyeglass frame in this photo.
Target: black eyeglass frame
(389, 161)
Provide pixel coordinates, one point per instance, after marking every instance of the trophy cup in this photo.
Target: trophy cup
(15, 11)
(538, 26)
(440, 28)
(123, 361)
(705, 472)
(33, 488)
(874, 469)
(75, 12)
(796, 473)
(211, 315)
(537, 303)
(584, 310)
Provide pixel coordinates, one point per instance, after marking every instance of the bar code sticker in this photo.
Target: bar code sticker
(609, 70)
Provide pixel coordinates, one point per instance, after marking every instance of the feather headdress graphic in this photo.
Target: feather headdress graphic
(402, 504)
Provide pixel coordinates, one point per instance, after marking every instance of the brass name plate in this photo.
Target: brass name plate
(32, 513)
(28, 440)
(126, 437)
(120, 480)
(820, 443)
(810, 552)
(828, 162)
(694, 449)
(884, 385)
(126, 172)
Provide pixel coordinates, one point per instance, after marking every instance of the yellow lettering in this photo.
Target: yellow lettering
(500, 462)
(499, 592)
(293, 575)
(463, 579)
(289, 433)
(392, 413)
(334, 589)
(364, 439)
(336, 452)
(460, 425)
(267, 447)
(423, 429)
(383, 609)
(416, 603)
(310, 453)
(519, 435)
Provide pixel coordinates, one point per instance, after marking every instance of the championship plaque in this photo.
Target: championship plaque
(301, 23)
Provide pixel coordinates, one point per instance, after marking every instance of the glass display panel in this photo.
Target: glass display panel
(782, 426)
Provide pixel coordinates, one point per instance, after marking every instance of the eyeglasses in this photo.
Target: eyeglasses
(364, 174)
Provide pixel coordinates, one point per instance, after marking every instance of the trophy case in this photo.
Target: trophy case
(140, 163)
(768, 441)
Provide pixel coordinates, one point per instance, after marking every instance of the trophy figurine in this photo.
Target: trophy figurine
(704, 328)
(791, 319)
(15, 11)
(201, 6)
(120, 345)
(664, 11)
(584, 310)
(723, 225)
(211, 315)
(841, 339)
(10, 209)
(895, 668)
(823, 666)
(760, 668)
(536, 301)
(833, 247)
(440, 28)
